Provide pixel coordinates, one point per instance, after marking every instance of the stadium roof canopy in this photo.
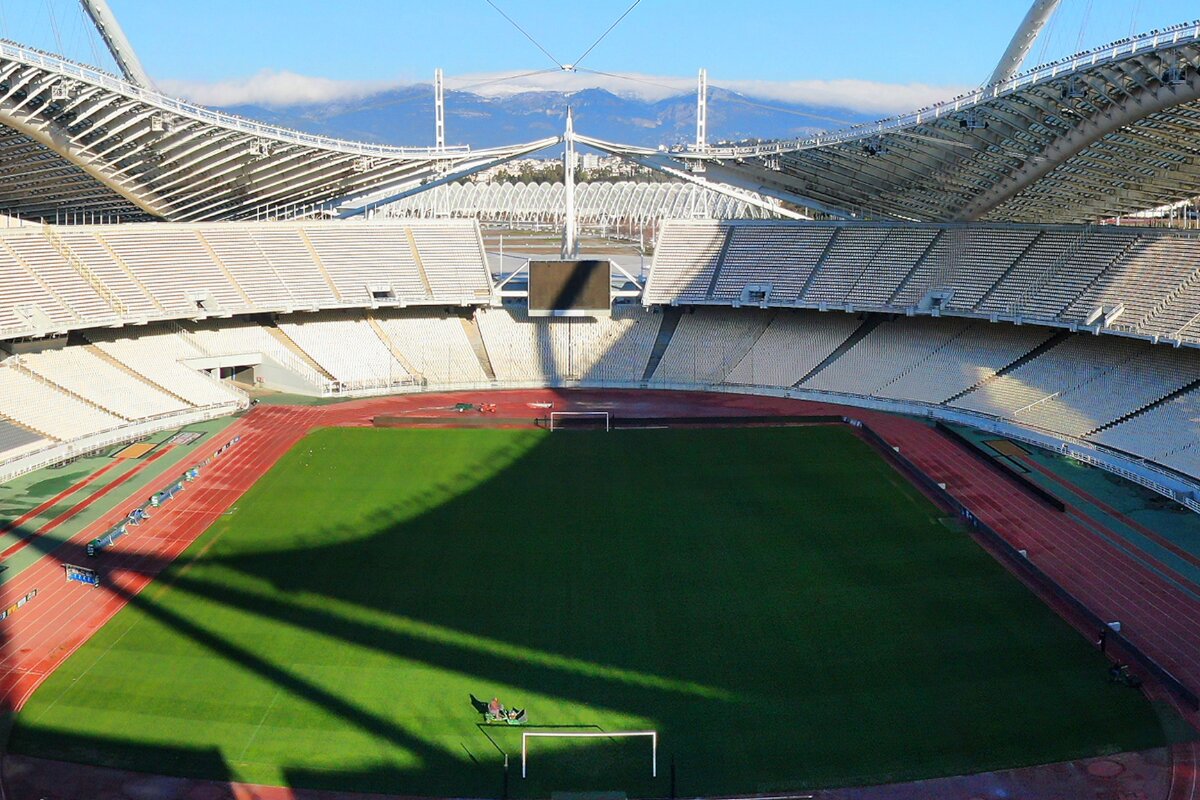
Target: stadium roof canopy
(1107, 132)
(76, 140)
(595, 203)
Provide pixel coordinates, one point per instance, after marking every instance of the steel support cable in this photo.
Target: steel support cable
(607, 32)
(54, 26)
(525, 33)
(632, 78)
(738, 98)
(503, 78)
(1087, 15)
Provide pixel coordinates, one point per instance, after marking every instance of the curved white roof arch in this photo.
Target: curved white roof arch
(75, 139)
(1106, 132)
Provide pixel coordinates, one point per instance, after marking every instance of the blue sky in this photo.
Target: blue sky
(874, 52)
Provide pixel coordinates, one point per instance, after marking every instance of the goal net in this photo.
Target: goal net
(612, 735)
(580, 420)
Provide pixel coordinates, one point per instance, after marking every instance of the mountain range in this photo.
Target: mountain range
(404, 116)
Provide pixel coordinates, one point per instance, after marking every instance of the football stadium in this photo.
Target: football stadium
(878, 478)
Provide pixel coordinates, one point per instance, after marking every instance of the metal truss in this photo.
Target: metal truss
(77, 141)
(639, 203)
(1098, 135)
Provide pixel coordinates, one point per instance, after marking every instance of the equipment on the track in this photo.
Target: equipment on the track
(140, 514)
(8, 612)
(107, 540)
(82, 575)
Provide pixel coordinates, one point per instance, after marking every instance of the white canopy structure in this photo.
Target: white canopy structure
(1106, 132)
(75, 140)
(596, 203)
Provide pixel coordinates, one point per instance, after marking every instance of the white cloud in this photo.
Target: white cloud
(288, 88)
(857, 95)
(271, 88)
(645, 87)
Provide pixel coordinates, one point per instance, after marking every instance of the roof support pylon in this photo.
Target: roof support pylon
(439, 109)
(1022, 42)
(570, 241)
(114, 39)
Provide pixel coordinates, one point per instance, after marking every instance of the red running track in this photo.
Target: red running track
(64, 615)
(33, 512)
(1164, 543)
(1164, 622)
(1153, 613)
(29, 536)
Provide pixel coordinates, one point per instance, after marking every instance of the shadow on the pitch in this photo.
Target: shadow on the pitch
(437, 528)
(615, 765)
(476, 573)
(47, 776)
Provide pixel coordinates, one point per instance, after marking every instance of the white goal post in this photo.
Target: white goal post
(558, 415)
(527, 735)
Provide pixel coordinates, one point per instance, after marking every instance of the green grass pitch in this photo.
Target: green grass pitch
(778, 603)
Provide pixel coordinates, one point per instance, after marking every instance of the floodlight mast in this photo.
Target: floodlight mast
(570, 243)
(1022, 42)
(698, 166)
(439, 106)
(114, 39)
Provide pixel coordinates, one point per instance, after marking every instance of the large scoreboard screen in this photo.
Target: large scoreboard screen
(570, 288)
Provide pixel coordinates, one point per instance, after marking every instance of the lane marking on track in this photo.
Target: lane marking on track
(83, 674)
(81, 506)
(1119, 516)
(48, 504)
(68, 609)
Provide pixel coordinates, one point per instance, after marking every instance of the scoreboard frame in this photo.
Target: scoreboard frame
(585, 280)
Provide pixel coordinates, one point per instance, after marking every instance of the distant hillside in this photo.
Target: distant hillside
(405, 117)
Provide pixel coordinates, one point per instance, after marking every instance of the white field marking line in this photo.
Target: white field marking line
(258, 727)
(1174, 776)
(1174, 771)
(100, 658)
(1194, 777)
(83, 674)
(183, 512)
